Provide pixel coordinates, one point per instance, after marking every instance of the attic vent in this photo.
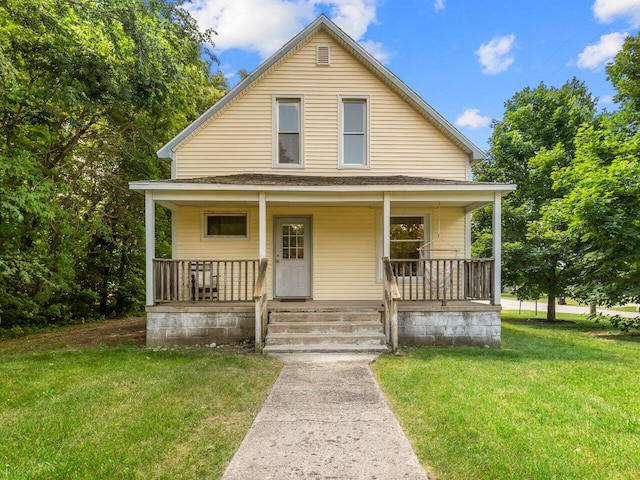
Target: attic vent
(322, 55)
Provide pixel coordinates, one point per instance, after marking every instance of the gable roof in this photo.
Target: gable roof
(374, 66)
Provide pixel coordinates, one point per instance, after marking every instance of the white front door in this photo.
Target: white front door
(292, 256)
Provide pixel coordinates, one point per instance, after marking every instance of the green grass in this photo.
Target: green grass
(627, 308)
(124, 412)
(556, 401)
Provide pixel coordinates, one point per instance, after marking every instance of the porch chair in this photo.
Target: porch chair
(204, 283)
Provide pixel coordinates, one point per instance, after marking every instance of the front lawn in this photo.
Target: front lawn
(121, 411)
(555, 402)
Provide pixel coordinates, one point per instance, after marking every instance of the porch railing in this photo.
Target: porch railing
(444, 279)
(390, 297)
(200, 281)
(260, 299)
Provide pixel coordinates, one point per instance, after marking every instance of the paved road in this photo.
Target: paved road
(325, 418)
(542, 308)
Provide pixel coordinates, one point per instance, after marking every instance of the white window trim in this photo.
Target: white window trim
(367, 133)
(274, 118)
(224, 238)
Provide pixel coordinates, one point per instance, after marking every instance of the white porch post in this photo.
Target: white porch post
(386, 224)
(262, 220)
(150, 242)
(497, 246)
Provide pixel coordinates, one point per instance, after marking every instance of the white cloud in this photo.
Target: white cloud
(605, 100)
(263, 26)
(378, 51)
(471, 118)
(596, 56)
(494, 56)
(606, 11)
(438, 5)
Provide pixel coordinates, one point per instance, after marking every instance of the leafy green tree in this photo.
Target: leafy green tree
(88, 91)
(597, 216)
(534, 140)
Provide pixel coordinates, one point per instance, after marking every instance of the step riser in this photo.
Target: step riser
(301, 317)
(325, 349)
(322, 339)
(363, 328)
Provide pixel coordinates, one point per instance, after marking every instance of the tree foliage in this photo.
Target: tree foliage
(88, 91)
(598, 216)
(533, 141)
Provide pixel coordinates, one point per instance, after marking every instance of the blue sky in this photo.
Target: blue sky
(463, 57)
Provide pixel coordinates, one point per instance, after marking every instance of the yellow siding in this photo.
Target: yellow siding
(346, 244)
(191, 246)
(239, 140)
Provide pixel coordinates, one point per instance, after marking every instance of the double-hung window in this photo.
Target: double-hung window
(288, 131)
(407, 236)
(354, 132)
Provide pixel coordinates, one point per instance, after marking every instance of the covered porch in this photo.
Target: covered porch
(224, 294)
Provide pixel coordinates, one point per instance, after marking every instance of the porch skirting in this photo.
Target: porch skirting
(419, 323)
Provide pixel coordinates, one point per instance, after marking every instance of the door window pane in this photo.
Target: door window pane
(293, 241)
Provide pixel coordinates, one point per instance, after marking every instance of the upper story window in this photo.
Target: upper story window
(287, 149)
(354, 132)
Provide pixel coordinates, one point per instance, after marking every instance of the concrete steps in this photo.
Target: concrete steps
(325, 331)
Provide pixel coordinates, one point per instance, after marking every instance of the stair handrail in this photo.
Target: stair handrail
(390, 298)
(260, 300)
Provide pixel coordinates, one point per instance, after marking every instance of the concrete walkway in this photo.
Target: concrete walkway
(325, 418)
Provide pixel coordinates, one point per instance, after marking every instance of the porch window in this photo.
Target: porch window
(225, 225)
(407, 236)
(288, 131)
(354, 135)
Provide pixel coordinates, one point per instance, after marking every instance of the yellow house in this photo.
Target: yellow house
(322, 204)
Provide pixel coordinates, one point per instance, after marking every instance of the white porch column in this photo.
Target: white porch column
(150, 242)
(386, 225)
(262, 221)
(497, 246)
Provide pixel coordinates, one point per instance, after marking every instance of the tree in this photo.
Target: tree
(88, 91)
(533, 140)
(597, 216)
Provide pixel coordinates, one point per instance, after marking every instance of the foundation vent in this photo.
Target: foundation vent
(322, 55)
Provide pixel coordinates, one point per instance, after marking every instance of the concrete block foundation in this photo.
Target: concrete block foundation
(199, 325)
(450, 327)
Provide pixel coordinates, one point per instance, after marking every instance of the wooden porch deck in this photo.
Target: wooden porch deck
(326, 305)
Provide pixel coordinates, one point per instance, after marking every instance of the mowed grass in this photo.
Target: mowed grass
(124, 411)
(557, 401)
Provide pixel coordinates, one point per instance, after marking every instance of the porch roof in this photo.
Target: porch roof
(257, 182)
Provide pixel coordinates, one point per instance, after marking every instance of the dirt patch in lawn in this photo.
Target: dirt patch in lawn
(118, 332)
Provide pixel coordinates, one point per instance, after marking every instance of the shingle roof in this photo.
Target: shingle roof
(319, 181)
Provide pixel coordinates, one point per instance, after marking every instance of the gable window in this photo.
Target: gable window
(354, 132)
(288, 131)
(225, 225)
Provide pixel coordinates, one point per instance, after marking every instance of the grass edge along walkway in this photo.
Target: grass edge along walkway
(123, 411)
(556, 401)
